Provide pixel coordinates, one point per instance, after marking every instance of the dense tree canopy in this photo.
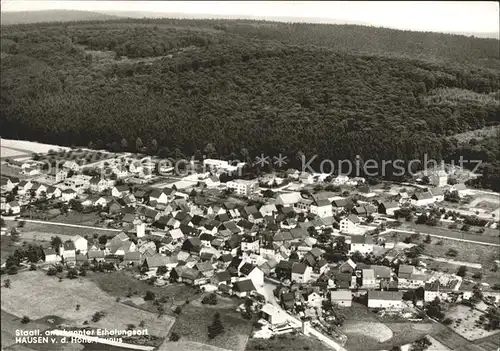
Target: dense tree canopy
(177, 85)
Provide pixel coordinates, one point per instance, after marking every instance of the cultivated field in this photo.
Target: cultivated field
(467, 326)
(47, 296)
(193, 322)
(489, 343)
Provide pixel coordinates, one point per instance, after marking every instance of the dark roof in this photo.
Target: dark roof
(246, 268)
(223, 276)
(299, 268)
(69, 245)
(226, 258)
(385, 295)
(206, 237)
(243, 286)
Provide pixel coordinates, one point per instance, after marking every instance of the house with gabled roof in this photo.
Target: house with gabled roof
(300, 273)
(422, 198)
(243, 288)
(388, 207)
(192, 245)
(51, 255)
(322, 208)
(223, 277)
(385, 299)
(250, 243)
(253, 273)
(361, 243)
(347, 267)
(342, 298)
(53, 192)
(13, 207)
(349, 224)
(206, 268)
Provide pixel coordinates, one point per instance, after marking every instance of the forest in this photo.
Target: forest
(251, 87)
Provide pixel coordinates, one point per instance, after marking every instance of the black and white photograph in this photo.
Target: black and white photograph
(250, 175)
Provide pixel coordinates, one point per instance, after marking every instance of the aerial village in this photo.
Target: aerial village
(300, 246)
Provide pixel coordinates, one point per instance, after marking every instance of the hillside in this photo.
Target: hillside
(24, 17)
(332, 90)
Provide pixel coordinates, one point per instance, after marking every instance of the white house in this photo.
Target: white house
(71, 165)
(288, 199)
(438, 178)
(24, 186)
(322, 208)
(249, 271)
(250, 243)
(314, 299)
(50, 256)
(385, 299)
(98, 184)
(368, 279)
(422, 198)
(301, 273)
(68, 194)
(78, 183)
(273, 315)
(268, 210)
(341, 297)
(14, 207)
(361, 243)
(57, 175)
(81, 244)
(349, 224)
(120, 191)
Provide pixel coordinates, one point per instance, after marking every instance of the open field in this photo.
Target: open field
(379, 336)
(30, 146)
(55, 229)
(288, 342)
(489, 343)
(490, 236)
(183, 345)
(6, 152)
(467, 327)
(365, 332)
(52, 297)
(193, 322)
(454, 341)
(118, 284)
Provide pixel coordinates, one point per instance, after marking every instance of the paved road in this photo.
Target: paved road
(267, 291)
(66, 224)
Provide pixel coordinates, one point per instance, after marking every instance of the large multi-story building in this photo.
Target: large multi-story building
(243, 187)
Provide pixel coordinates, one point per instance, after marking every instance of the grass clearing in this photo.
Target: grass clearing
(193, 322)
(48, 296)
(54, 229)
(467, 327)
(119, 283)
(297, 342)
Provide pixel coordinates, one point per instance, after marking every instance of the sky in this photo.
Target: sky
(440, 16)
